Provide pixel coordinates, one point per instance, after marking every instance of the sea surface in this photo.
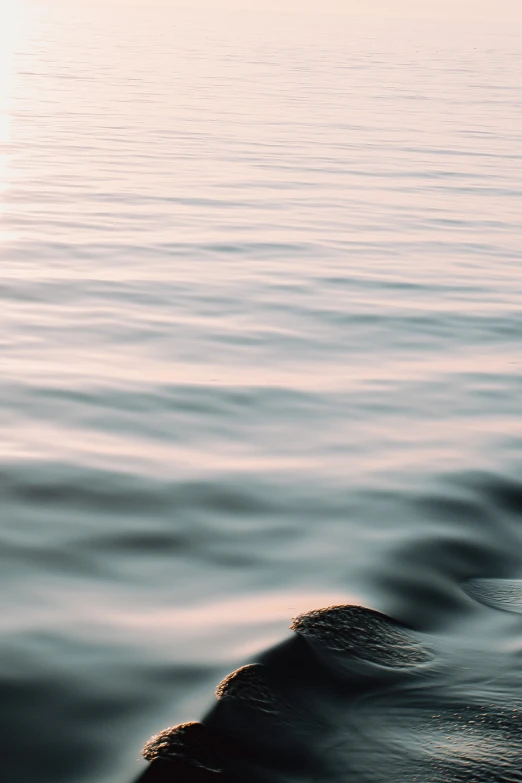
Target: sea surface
(261, 349)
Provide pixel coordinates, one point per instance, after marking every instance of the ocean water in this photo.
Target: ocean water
(261, 349)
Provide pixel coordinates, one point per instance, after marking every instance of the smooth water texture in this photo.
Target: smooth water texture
(261, 350)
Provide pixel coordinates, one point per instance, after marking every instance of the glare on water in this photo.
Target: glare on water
(260, 348)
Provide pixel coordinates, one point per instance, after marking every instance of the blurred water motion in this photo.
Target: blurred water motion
(261, 349)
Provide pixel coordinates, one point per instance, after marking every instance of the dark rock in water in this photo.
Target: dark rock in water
(357, 632)
(178, 771)
(191, 742)
(353, 696)
(250, 686)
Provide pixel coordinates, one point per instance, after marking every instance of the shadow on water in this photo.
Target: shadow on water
(432, 694)
(431, 690)
(260, 309)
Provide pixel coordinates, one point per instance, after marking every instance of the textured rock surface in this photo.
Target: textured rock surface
(363, 633)
(293, 719)
(192, 742)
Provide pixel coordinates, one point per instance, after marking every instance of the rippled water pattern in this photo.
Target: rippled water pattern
(261, 348)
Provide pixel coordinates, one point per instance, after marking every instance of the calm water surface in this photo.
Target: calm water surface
(261, 348)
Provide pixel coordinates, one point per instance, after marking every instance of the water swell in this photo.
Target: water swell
(260, 317)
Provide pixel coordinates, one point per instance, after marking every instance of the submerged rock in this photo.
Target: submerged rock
(358, 632)
(354, 695)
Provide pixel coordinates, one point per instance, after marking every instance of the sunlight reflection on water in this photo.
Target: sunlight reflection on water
(260, 347)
